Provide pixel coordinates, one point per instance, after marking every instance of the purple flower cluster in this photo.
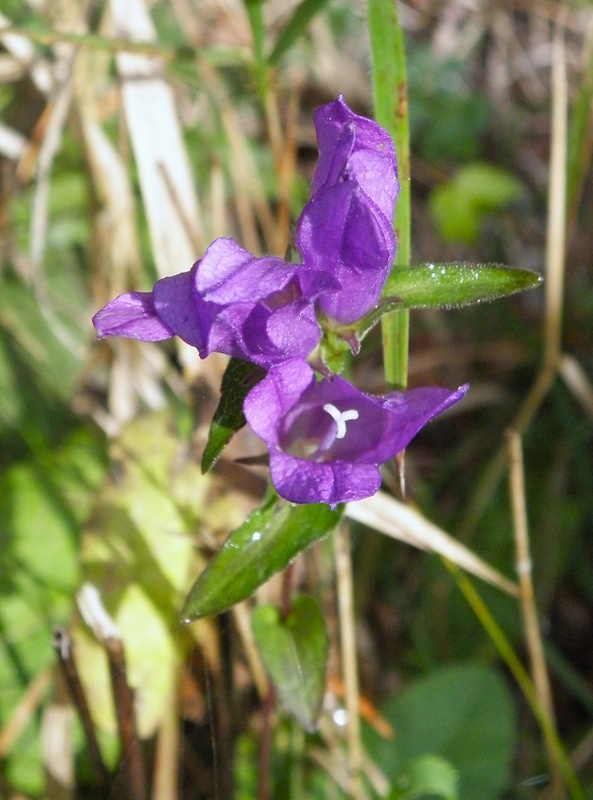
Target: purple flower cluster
(326, 439)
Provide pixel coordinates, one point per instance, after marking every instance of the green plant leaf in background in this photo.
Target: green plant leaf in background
(266, 542)
(294, 652)
(477, 189)
(448, 285)
(463, 713)
(43, 503)
(139, 550)
(427, 776)
(239, 377)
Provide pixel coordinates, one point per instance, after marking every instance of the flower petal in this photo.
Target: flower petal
(273, 397)
(326, 438)
(342, 233)
(302, 481)
(360, 149)
(133, 315)
(178, 306)
(228, 274)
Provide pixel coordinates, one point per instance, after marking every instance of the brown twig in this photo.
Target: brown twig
(62, 644)
(265, 747)
(123, 697)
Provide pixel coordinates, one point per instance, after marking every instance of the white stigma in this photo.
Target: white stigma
(341, 418)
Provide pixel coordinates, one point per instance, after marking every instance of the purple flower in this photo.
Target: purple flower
(327, 439)
(346, 228)
(258, 309)
(263, 309)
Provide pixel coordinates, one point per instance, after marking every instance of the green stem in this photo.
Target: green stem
(390, 95)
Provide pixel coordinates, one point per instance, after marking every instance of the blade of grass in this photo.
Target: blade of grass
(301, 17)
(520, 675)
(390, 96)
(258, 32)
(164, 170)
(397, 520)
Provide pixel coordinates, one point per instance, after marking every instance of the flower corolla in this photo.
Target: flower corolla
(346, 228)
(264, 310)
(257, 309)
(326, 439)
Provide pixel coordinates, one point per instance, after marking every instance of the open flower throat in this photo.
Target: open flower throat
(317, 433)
(326, 439)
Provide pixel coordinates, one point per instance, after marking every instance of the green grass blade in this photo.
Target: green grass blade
(302, 16)
(391, 111)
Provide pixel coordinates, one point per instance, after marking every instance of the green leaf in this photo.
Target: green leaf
(266, 543)
(427, 776)
(43, 504)
(459, 206)
(294, 652)
(238, 379)
(301, 17)
(448, 285)
(463, 713)
(138, 549)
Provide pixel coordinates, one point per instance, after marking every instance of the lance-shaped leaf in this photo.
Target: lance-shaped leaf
(238, 379)
(294, 652)
(266, 543)
(447, 285)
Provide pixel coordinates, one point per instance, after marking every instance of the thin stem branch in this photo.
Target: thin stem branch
(348, 646)
(62, 644)
(265, 746)
(535, 647)
(126, 720)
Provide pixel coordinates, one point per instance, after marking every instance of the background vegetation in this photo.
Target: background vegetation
(117, 168)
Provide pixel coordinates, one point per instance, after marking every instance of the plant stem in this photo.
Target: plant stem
(390, 95)
(537, 659)
(348, 647)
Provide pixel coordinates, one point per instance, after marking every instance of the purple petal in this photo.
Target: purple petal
(273, 397)
(179, 307)
(303, 481)
(293, 329)
(132, 315)
(326, 438)
(342, 233)
(358, 148)
(228, 274)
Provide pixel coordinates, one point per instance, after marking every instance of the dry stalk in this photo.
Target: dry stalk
(539, 671)
(345, 595)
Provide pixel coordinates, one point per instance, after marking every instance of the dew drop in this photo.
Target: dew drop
(340, 716)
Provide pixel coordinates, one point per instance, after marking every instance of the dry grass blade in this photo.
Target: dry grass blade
(577, 381)
(26, 708)
(539, 671)
(163, 166)
(556, 240)
(115, 227)
(395, 519)
(12, 143)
